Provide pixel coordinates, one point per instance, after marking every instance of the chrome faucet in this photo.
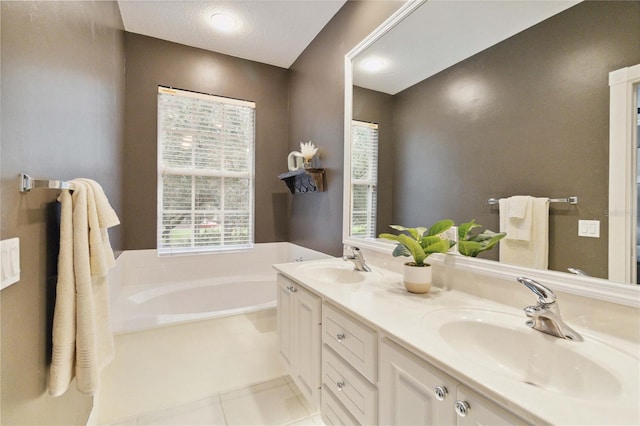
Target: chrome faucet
(358, 260)
(545, 316)
(578, 272)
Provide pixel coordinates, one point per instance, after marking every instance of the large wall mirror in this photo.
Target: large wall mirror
(473, 100)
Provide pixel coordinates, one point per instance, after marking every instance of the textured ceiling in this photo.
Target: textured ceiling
(271, 32)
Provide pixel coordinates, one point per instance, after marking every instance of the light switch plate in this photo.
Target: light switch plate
(589, 228)
(9, 262)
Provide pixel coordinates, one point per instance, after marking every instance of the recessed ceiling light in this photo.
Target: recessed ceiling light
(372, 64)
(224, 22)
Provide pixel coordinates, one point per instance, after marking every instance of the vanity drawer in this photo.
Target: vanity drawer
(333, 413)
(355, 393)
(351, 339)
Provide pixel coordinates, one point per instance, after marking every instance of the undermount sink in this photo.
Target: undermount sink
(336, 273)
(502, 343)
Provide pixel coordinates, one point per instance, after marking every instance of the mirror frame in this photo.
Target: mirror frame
(595, 288)
(622, 173)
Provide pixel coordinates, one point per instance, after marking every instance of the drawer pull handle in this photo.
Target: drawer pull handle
(462, 408)
(340, 337)
(340, 385)
(440, 392)
(293, 289)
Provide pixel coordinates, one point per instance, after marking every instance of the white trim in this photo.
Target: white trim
(205, 97)
(365, 124)
(594, 288)
(622, 173)
(203, 172)
(386, 26)
(375, 244)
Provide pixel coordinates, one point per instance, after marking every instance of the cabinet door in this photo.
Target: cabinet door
(407, 390)
(480, 411)
(286, 299)
(307, 317)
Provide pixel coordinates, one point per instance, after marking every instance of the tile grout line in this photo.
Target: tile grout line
(224, 415)
(303, 402)
(218, 396)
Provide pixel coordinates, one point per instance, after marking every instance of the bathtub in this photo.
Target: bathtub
(149, 291)
(189, 327)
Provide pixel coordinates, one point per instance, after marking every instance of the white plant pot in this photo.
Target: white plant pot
(417, 279)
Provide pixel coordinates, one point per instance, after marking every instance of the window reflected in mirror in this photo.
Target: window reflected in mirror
(364, 178)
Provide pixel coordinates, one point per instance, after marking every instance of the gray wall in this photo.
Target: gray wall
(152, 62)
(62, 117)
(316, 112)
(540, 128)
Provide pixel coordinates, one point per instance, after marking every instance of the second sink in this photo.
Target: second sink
(502, 343)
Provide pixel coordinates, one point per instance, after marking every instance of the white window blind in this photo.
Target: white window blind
(364, 178)
(205, 172)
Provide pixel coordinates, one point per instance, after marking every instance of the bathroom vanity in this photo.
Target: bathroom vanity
(364, 351)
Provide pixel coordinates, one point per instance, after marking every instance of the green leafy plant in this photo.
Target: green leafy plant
(471, 244)
(421, 242)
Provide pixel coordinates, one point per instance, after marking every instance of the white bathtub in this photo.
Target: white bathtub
(149, 291)
(223, 333)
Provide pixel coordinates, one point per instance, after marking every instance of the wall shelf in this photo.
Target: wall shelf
(304, 180)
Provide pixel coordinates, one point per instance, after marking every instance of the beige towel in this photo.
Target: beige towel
(535, 252)
(519, 217)
(64, 319)
(107, 218)
(84, 339)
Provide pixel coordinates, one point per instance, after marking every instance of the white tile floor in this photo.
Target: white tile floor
(276, 402)
(176, 365)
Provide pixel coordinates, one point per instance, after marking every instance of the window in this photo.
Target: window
(205, 172)
(364, 178)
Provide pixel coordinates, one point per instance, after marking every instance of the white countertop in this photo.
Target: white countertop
(412, 320)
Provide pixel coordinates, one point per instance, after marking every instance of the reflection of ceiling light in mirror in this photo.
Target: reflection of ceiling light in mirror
(372, 64)
(224, 22)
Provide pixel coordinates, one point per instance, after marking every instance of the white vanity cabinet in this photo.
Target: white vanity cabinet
(349, 369)
(355, 375)
(481, 411)
(411, 392)
(299, 327)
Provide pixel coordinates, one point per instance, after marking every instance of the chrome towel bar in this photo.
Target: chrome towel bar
(569, 200)
(27, 183)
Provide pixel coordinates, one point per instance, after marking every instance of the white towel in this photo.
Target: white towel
(519, 217)
(535, 252)
(519, 206)
(82, 336)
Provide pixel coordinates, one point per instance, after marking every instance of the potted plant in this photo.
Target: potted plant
(470, 244)
(419, 243)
